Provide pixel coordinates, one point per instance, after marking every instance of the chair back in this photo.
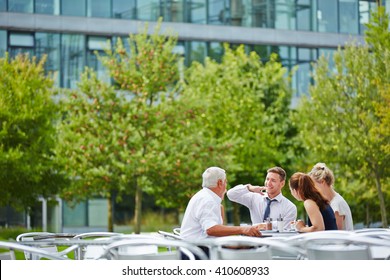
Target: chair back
(147, 247)
(169, 235)
(261, 253)
(343, 244)
(46, 241)
(7, 256)
(173, 255)
(244, 247)
(176, 231)
(40, 253)
(338, 252)
(90, 252)
(31, 256)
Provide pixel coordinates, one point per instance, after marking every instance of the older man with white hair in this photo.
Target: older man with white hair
(203, 216)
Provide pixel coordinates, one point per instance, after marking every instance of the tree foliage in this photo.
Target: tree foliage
(246, 103)
(137, 135)
(27, 134)
(346, 121)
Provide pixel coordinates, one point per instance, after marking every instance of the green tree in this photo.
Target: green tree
(345, 122)
(27, 134)
(246, 103)
(138, 135)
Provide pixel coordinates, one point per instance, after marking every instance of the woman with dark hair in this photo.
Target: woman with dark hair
(320, 214)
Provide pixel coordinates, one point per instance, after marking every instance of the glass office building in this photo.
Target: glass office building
(70, 31)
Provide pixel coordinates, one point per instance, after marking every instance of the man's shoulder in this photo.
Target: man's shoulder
(203, 195)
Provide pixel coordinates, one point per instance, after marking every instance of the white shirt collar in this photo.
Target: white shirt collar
(278, 197)
(213, 195)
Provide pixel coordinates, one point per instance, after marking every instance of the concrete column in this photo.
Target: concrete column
(44, 213)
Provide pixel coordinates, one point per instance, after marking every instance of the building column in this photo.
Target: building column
(44, 213)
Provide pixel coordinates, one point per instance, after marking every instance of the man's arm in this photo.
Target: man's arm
(222, 230)
(240, 194)
(223, 213)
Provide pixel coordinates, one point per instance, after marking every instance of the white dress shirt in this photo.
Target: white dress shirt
(257, 203)
(203, 212)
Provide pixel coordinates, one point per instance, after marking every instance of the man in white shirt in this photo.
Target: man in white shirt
(279, 207)
(203, 216)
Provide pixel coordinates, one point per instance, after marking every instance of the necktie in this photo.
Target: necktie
(268, 208)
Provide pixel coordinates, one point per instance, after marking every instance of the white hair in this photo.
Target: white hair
(212, 175)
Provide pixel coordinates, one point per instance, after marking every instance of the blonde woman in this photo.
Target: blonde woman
(324, 180)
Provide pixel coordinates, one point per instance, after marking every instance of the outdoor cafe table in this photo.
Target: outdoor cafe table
(277, 234)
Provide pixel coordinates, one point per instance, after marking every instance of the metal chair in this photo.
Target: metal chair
(128, 248)
(40, 253)
(91, 251)
(338, 252)
(176, 231)
(382, 233)
(253, 248)
(8, 255)
(29, 236)
(43, 241)
(169, 235)
(338, 245)
(377, 252)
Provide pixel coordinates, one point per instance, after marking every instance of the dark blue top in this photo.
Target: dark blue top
(329, 219)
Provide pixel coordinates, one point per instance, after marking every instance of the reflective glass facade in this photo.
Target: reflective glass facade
(69, 51)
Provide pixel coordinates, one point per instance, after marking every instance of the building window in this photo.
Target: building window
(305, 12)
(172, 11)
(302, 75)
(3, 5)
(98, 213)
(327, 16)
(124, 9)
(49, 44)
(196, 11)
(241, 13)
(365, 8)
(285, 15)
(21, 43)
(73, 8)
(262, 13)
(98, 45)
(328, 54)
(72, 59)
(348, 12)
(75, 215)
(92, 213)
(3, 42)
(20, 6)
(197, 51)
(99, 8)
(49, 7)
(148, 10)
(218, 12)
(216, 51)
